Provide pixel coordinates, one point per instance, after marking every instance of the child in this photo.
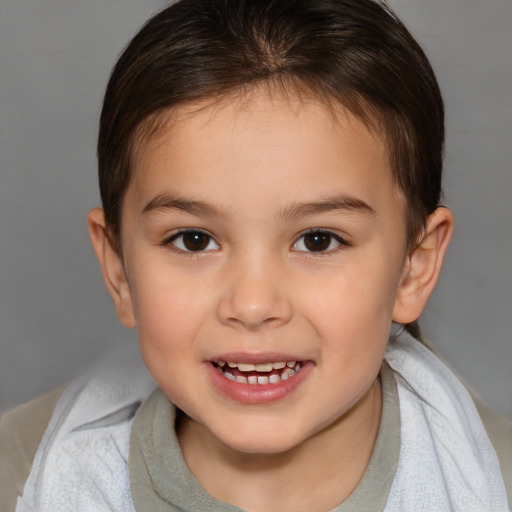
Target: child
(270, 174)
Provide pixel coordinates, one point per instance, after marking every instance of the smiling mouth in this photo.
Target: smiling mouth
(258, 374)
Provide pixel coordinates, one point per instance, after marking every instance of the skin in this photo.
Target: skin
(256, 177)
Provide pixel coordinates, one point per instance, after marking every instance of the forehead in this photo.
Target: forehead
(254, 142)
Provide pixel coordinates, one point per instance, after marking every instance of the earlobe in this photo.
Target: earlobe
(112, 267)
(423, 267)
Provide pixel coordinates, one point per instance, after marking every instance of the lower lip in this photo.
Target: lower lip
(257, 393)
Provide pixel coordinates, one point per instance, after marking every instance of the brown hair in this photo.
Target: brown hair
(353, 52)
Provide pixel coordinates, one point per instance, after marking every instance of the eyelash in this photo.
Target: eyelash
(342, 243)
(171, 241)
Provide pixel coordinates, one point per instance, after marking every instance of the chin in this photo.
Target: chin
(260, 447)
(260, 442)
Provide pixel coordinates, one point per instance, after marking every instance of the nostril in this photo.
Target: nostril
(253, 304)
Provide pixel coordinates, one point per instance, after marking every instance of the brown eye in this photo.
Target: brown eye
(193, 241)
(318, 241)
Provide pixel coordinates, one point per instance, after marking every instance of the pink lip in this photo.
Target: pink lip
(257, 393)
(245, 357)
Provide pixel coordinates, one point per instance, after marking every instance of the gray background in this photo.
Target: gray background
(55, 57)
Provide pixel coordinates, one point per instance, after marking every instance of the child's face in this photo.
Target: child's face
(293, 250)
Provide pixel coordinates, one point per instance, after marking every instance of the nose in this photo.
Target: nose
(254, 297)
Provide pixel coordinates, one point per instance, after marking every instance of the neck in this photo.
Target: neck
(316, 475)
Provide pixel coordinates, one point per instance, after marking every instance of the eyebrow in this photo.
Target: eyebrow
(173, 202)
(294, 210)
(340, 202)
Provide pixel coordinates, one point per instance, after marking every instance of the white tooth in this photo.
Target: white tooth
(274, 379)
(291, 364)
(278, 366)
(246, 367)
(221, 363)
(287, 374)
(229, 376)
(297, 367)
(264, 367)
(252, 379)
(232, 365)
(241, 379)
(262, 380)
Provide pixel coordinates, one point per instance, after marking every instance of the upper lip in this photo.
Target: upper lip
(256, 358)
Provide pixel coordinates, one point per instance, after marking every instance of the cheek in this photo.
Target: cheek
(169, 310)
(356, 292)
(168, 319)
(351, 308)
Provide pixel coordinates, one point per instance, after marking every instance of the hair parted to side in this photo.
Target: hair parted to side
(356, 53)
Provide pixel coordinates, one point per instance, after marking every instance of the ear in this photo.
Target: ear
(112, 266)
(423, 266)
